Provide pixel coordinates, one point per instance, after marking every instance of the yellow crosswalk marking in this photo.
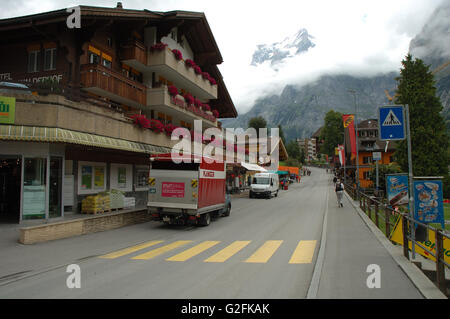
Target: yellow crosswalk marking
(263, 254)
(130, 250)
(194, 251)
(227, 252)
(161, 250)
(304, 252)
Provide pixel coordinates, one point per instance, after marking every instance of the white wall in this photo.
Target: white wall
(173, 44)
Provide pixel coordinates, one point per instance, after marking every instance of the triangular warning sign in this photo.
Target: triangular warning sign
(391, 120)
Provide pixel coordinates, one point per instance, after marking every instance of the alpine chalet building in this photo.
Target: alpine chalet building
(100, 100)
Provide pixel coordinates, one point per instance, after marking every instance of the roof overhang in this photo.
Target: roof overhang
(58, 135)
(253, 167)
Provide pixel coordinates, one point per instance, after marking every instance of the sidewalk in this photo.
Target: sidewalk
(349, 245)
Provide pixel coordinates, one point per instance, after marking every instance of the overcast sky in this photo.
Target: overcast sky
(358, 37)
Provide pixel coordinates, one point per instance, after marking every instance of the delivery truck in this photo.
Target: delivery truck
(187, 193)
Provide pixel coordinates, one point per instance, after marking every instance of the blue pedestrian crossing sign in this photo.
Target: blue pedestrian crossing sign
(391, 123)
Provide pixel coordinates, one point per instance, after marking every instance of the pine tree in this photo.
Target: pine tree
(429, 139)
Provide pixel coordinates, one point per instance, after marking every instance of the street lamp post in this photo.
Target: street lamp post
(357, 146)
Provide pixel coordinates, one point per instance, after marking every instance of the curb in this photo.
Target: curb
(425, 286)
(317, 274)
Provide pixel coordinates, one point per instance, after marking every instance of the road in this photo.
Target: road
(267, 248)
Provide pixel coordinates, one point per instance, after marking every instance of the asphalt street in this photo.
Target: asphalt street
(267, 248)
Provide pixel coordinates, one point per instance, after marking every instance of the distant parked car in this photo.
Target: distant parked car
(14, 88)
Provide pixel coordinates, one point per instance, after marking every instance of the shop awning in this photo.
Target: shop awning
(290, 169)
(253, 167)
(58, 135)
(282, 172)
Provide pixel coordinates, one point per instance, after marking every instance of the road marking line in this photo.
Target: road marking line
(304, 252)
(194, 251)
(227, 252)
(161, 250)
(130, 250)
(263, 254)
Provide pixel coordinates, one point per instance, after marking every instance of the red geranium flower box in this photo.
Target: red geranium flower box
(169, 128)
(215, 113)
(188, 98)
(141, 120)
(190, 63)
(178, 54)
(206, 107)
(198, 103)
(158, 46)
(156, 126)
(205, 75)
(197, 69)
(173, 91)
(212, 81)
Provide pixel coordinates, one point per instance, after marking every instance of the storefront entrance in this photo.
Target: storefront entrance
(10, 180)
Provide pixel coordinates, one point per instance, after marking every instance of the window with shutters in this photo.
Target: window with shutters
(33, 61)
(50, 59)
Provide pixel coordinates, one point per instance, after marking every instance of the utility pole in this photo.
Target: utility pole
(411, 183)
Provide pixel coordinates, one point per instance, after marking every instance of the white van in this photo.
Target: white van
(264, 184)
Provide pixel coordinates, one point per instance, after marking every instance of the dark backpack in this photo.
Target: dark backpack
(338, 187)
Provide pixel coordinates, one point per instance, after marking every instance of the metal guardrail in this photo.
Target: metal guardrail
(382, 211)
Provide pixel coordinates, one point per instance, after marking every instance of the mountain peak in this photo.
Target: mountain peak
(276, 52)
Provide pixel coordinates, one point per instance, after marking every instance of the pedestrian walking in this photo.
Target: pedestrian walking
(339, 189)
(335, 180)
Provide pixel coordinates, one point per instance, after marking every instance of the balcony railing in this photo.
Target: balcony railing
(158, 99)
(113, 85)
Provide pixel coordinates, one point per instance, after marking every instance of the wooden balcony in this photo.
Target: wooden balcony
(113, 85)
(134, 54)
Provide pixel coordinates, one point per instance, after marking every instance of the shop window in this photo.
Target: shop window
(91, 177)
(50, 59)
(34, 188)
(366, 175)
(141, 178)
(33, 61)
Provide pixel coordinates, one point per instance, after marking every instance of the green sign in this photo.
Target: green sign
(7, 109)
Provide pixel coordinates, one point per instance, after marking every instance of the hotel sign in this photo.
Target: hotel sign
(7, 110)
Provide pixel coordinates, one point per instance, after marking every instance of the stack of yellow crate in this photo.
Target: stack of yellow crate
(95, 204)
